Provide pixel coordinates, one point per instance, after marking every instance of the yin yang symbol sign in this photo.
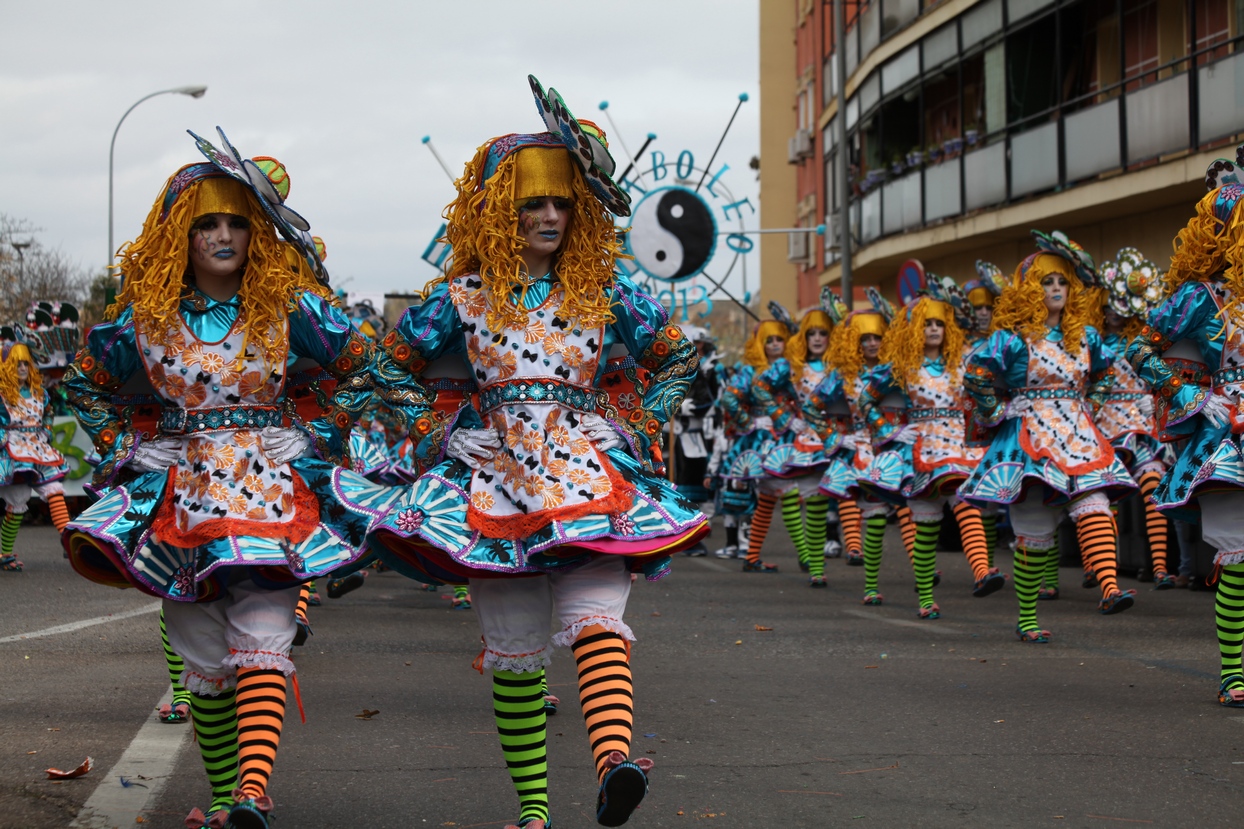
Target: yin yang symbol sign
(672, 234)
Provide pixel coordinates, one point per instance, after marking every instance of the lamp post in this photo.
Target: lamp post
(20, 247)
(195, 91)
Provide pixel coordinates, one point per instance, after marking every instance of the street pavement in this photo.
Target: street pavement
(761, 701)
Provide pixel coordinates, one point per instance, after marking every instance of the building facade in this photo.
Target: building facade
(969, 122)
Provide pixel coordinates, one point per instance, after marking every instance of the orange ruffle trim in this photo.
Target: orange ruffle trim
(296, 530)
(514, 527)
(1105, 459)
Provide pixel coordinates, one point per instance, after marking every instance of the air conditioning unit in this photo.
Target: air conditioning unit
(797, 248)
(799, 146)
(832, 230)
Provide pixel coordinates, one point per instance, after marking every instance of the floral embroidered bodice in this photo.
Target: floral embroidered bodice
(26, 442)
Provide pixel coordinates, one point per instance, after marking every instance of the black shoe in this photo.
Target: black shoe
(339, 587)
(304, 630)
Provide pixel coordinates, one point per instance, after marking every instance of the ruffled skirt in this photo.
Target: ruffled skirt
(745, 459)
(426, 534)
(1213, 461)
(112, 542)
(790, 456)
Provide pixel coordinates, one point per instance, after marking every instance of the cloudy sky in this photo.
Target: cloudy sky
(342, 94)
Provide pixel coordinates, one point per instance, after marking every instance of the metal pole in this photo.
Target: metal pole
(193, 92)
(427, 142)
(844, 209)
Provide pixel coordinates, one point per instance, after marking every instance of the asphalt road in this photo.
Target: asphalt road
(762, 702)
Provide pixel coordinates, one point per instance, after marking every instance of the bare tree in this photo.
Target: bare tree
(29, 272)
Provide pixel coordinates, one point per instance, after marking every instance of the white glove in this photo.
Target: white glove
(1018, 406)
(907, 435)
(763, 422)
(472, 446)
(798, 425)
(1217, 409)
(600, 433)
(1145, 406)
(282, 444)
(849, 441)
(156, 455)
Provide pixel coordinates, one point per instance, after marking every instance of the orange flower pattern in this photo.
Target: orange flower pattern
(941, 438)
(224, 474)
(1061, 429)
(27, 444)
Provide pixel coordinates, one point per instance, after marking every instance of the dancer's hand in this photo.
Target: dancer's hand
(1217, 409)
(156, 455)
(1145, 405)
(282, 444)
(763, 422)
(1017, 407)
(473, 446)
(600, 433)
(849, 441)
(907, 435)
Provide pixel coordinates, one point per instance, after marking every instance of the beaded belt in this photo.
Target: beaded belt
(1228, 376)
(462, 384)
(1048, 393)
(915, 415)
(25, 428)
(1126, 395)
(537, 391)
(186, 421)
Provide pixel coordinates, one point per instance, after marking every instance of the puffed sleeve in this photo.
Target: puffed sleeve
(878, 383)
(1000, 362)
(643, 326)
(103, 364)
(816, 410)
(422, 334)
(765, 389)
(1190, 314)
(734, 403)
(320, 331)
(1101, 372)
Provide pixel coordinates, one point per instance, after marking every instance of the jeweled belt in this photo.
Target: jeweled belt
(25, 428)
(212, 418)
(915, 415)
(1227, 376)
(543, 390)
(1116, 396)
(1049, 393)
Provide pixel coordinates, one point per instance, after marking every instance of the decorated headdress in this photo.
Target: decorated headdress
(52, 333)
(779, 313)
(754, 348)
(1021, 308)
(833, 307)
(987, 286)
(1133, 283)
(1208, 246)
(1058, 244)
(945, 290)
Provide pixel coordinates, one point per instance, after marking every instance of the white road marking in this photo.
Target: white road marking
(930, 625)
(152, 754)
(85, 623)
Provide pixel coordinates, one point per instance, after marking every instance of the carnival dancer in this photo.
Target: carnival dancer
(924, 462)
(734, 499)
(797, 459)
(543, 504)
(743, 464)
(693, 428)
(1047, 455)
(1134, 287)
(982, 292)
(1202, 322)
(29, 465)
(226, 510)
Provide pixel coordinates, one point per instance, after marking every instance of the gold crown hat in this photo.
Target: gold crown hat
(268, 180)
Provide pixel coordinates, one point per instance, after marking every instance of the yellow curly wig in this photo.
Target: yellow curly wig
(844, 349)
(483, 231)
(156, 273)
(903, 344)
(1021, 308)
(10, 386)
(754, 349)
(1205, 247)
(797, 346)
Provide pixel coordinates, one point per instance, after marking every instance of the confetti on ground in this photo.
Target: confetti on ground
(762, 627)
(367, 714)
(866, 667)
(57, 774)
(125, 784)
(738, 641)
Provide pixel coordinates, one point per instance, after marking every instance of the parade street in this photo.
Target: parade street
(763, 703)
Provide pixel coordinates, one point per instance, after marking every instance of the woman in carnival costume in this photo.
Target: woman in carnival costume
(982, 294)
(1047, 456)
(923, 463)
(743, 463)
(234, 501)
(29, 466)
(1133, 286)
(733, 498)
(543, 504)
(1201, 322)
(797, 458)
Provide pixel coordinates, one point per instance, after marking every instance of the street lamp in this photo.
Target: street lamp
(20, 247)
(195, 91)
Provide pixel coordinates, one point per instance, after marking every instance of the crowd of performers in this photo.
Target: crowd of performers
(508, 437)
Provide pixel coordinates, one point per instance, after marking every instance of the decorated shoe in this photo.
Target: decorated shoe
(218, 819)
(991, 582)
(1039, 637)
(1116, 602)
(339, 587)
(1047, 594)
(11, 564)
(817, 581)
(622, 789)
(178, 712)
(1163, 580)
(855, 558)
(930, 612)
(249, 812)
(759, 567)
(873, 598)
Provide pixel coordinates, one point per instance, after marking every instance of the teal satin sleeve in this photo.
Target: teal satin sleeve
(765, 393)
(108, 358)
(1001, 361)
(422, 334)
(734, 400)
(322, 332)
(1190, 314)
(643, 326)
(878, 383)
